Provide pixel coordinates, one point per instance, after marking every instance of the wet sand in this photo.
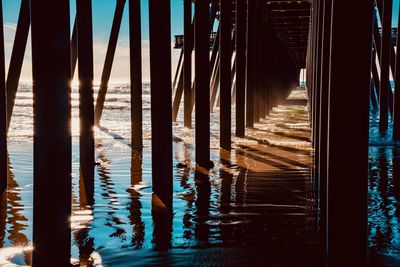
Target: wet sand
(255, 208)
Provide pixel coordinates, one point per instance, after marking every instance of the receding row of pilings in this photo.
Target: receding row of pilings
(264, 72)
(385, 61)
(339, 80)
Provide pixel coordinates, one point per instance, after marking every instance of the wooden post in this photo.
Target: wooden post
(187, 63)
(74, 48)
(225, 73)
(250, 67)
(348, 150)
(240, 67)
(135, 37)
(323, 125)
(161, 95)
(396, 108)
(17, 57)
(51, 65)
(385, 65)
(202, 83)
(112, 45)
(3, 112)
(86, 107)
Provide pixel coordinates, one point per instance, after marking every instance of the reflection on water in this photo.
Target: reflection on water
(384, 197)
(256, 202)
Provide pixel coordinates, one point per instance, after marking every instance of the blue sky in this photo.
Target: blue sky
(103, 11)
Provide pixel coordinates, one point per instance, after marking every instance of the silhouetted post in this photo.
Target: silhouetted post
(396, 108)
(135, 35)
(74, 48)
(348, 150)
(187, 63)
(112, 45)
(250, 67)
(51, 65)
(161, 103)
(86, 107)
(202, 84)
(225, 76)
(241, 8)
(17, 57)
(385, 61)
(323, 125)
(3, 111)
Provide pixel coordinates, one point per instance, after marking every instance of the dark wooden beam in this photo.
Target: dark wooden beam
(51, 66)
(135, 39)
(241, 7)
(202, 83)
(348, 239)
(161, 95)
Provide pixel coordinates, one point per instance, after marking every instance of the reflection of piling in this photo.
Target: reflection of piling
(51, 64)
(135, 37)
(86, 108)
(3, 112)
(135, 216)
(202, 84)
(161, 94)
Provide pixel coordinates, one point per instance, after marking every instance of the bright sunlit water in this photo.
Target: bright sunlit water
(258, 202)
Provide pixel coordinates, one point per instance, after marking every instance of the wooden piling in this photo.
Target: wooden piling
(250, 65)
(202, 83)
(161, 95)
(225, 73)
(51, 65)
(17, 57)
(396, 108)
(86, 107)
(241, 7)
(112, 45)
(3, 111)
(323, 124)
(385, 65)
(135, 37)
(348, 150)
(187, 63)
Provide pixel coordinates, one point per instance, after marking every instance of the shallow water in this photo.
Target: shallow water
(257, 201)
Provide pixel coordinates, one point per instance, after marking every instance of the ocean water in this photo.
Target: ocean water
(257, 201)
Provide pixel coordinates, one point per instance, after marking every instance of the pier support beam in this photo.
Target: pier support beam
(323, 124)
(385, 65)
(86, 107)
(240, 66)
(250, 66)
(17, 57)
(51, 65)
(135, 37)
(161, 95)
(225, 74)
(348, 150)
(112, 45)
(3, 111)
(187, 63)
(202, 83)
(396, 108)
